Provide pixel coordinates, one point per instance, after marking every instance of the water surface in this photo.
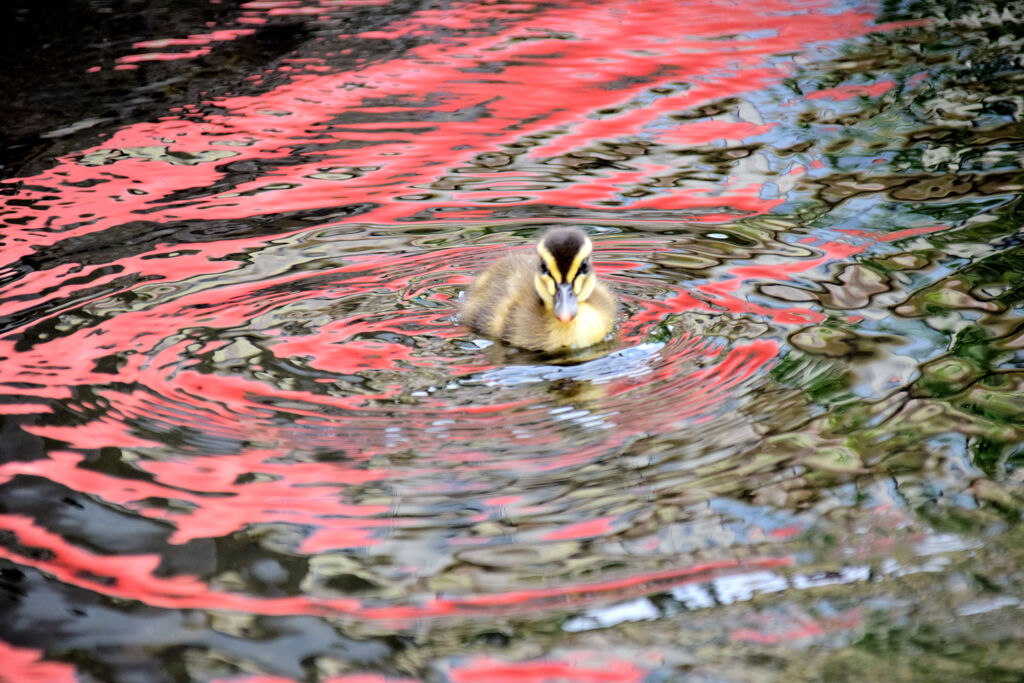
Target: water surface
(244, 437)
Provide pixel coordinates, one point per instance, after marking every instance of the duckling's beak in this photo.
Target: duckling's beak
(565, 305)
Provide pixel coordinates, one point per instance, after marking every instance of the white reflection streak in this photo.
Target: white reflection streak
(732, 588)
(634, 610)
(989, 605)
(944, 543)
(634, 361)
(742, 587)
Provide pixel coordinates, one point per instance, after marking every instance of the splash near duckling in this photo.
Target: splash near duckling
(551, 301)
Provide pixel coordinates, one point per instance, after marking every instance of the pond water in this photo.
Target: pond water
(244, 437)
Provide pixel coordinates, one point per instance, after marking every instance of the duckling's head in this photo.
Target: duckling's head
(564, 276)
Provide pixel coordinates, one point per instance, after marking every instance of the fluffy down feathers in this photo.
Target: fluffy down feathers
(520, 298)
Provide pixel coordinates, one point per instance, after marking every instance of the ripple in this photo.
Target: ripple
(238, 391)
(324, 387)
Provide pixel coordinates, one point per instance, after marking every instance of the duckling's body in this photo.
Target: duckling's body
(547, 301)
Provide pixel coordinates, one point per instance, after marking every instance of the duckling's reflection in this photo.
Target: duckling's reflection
(576, 384)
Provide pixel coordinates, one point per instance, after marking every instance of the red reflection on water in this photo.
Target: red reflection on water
(24, 664)
(604, 57)
(897, 235)
(848, 92)
(394, 136)
(700, 132)
(347, 678)
(586, 667)
(195, 39)
(132, 577)
(163, 56)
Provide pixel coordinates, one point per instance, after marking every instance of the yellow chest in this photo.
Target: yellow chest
(586, 329)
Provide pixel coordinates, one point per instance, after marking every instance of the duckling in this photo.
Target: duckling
(549, 301)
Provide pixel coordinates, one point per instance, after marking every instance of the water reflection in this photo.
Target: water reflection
(248, 436)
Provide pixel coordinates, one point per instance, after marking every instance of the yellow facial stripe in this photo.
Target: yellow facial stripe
(549, 259)
(583, 253)
(545, 287)
(574, 267)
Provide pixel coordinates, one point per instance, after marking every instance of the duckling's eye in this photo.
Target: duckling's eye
(544, 269)
(584, 267)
